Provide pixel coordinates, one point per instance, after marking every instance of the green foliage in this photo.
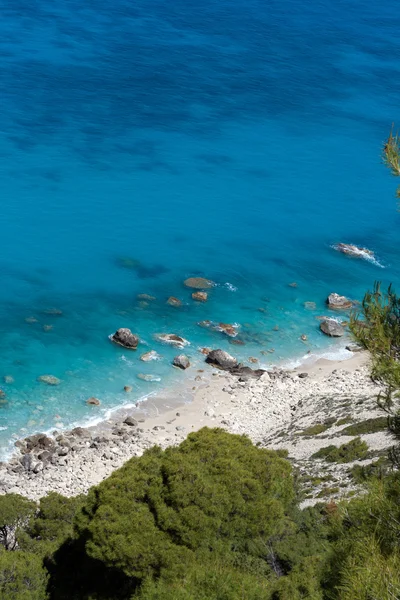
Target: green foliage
(212, 580)
(22, 576)
(315, 429)
(15, 513)
(215, 492)
(356, 449)
(391, 155)
(367, 426)
(376, 469)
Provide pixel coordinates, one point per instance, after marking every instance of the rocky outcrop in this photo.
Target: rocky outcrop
(172, 301)
(171, 338)
(181, 361)
(125, 338)
(200, 296)
(198, 283)
(337, 302)
(223, 360)
(53, 312)
(332, 328)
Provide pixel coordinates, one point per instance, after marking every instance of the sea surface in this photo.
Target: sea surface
(145, 142)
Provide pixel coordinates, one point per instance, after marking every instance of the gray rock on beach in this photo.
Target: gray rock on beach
(338, 302)
(124, 337)
(332, 328)
(181, 361)
(221, 359)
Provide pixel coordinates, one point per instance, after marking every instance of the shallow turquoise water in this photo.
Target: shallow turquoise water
(233, 140)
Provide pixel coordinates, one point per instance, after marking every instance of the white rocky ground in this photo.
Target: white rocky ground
(273, 410)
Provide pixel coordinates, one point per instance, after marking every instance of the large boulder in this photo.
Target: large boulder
(337, 302)
(332, 328)
(171, 338)
(198, 283)
(223, 360)
(181, 361)
(124, 337)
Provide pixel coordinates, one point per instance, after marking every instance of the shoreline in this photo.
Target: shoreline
(266, 409)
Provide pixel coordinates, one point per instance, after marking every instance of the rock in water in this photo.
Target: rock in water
(93, 401)
(200, 296)
(148, 356)
(127, 388)
(54, 312)
(338, 302)
(124, 337)
(332, 328)
(49, 379)
(173, 339)
(198, 283)
(181, 361)
(148, 377)
(172, 301)
(221, 359)
(146, 297)
(352, 250)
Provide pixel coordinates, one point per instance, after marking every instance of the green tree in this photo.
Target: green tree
(22, 576)
(15, 514)
(214, 495)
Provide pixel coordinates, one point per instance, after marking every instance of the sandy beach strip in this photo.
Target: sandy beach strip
(271, 410)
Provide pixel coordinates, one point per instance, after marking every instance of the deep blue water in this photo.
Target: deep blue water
(236, 140)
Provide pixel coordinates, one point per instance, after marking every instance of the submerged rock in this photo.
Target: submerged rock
(221, 359)
(151, 355)
(47, 327)
(124, 337)
(172, 339)
(200, 296)
(172, 301)
(146, 297)
(332, 328)
(198, 283)
(8, 379)
(127, 388)
(31, 320)
(310, 305)
(55, 312)
(228, 329)
(181, 361)
(338, 302)
(148, 377)
(49, 379)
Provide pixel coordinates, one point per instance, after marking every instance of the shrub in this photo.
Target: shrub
(354, 450)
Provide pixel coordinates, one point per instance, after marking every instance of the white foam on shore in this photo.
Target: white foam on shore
(333, 353)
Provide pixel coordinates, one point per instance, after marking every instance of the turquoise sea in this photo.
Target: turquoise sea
(228, 139)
